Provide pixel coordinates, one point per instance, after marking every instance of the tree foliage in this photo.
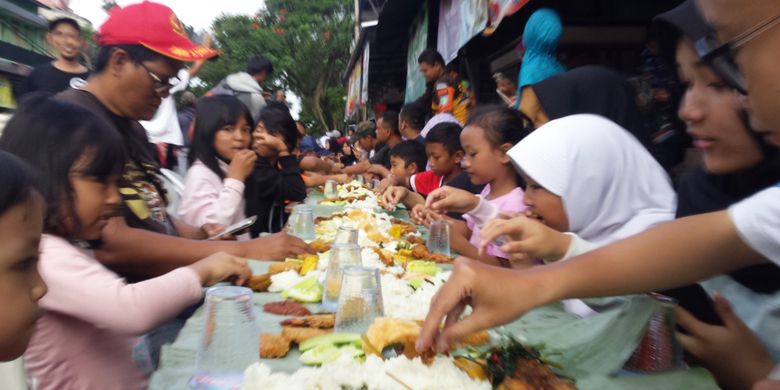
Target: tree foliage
(308, 43)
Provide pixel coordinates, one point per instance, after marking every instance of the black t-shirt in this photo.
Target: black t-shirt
(382, 156)
(47, 78)
(141, 189)
(463, 182)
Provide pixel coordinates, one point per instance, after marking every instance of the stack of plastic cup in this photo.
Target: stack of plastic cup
(360, 300)
(341, 255)
(230, 339)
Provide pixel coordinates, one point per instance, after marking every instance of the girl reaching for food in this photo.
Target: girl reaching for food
(490, 132)
(588, 183)
(86, 337)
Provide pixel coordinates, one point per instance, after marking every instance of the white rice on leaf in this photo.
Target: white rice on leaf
(346, 372)
(284, 280)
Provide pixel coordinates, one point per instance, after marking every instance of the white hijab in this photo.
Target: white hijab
(610, 185)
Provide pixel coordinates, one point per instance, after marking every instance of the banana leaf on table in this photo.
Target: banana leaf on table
(593, 350)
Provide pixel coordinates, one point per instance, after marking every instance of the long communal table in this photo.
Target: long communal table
(588, 349)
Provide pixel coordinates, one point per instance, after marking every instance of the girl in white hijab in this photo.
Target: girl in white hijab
(590, 178)
(589, 182)
(586, 176)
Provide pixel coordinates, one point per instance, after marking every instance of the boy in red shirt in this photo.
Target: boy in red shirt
(442, 147)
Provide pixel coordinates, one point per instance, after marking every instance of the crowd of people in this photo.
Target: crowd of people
(555, 194)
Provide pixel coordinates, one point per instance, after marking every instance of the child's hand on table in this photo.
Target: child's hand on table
(221, 267)
(422, 215)
(450, 199)
(392, 196)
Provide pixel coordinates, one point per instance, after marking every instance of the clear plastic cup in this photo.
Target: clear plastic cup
(439, 238)
(346, 235)
(292, 221)
(360, 179)
(331, 189)
(341, 255)
(375, 183)
(360, 300)
(230, 339)
(301, 223)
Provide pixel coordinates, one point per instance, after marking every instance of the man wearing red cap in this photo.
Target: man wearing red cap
(143, 46)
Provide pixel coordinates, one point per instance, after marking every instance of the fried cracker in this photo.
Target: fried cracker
(273, 346)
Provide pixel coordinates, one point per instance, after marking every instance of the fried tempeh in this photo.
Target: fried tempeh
(299, 335)
(319, 321)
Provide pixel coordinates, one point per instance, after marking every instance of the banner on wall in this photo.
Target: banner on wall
(415, 84)
(364, 79)
(6, 93)
(459, 21)
(353, 91)
(499, 9)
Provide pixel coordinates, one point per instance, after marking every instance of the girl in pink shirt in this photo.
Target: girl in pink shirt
(220, 161)
(92, 316)
(489, 133)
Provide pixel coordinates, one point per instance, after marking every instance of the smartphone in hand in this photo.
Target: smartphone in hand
(236, 227)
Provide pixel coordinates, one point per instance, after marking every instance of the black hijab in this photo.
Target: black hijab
(700, 191)
(703, 192)
(596, 90)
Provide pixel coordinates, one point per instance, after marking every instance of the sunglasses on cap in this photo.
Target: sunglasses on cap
(721, 56)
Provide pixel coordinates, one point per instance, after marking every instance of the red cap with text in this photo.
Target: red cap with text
(153, 26)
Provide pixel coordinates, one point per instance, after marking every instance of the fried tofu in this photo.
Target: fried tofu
(386, 257)
(299, 335)
(318, 321)
(273, 346)
(412, 239)
(421, 252)
(259, 283)
(476, 338)
(320, 246)
(277, 268)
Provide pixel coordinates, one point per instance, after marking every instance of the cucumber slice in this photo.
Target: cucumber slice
(423, 267)
(320, 354)
(307, 290)
(325, 353)
(332, 339)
